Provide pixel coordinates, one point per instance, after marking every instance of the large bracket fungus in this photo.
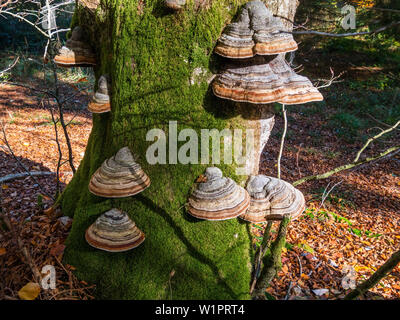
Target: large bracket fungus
(272, 199)
(100, 102)
(76, 52)
(118, 177)
(261, 82)
(114, 231)
(217, 198)
(257, 32)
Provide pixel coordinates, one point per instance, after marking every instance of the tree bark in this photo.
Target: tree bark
(152, 56)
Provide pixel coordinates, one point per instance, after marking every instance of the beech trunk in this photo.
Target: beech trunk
(160, 63)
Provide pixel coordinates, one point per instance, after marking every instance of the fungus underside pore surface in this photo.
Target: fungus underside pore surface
(150, 55)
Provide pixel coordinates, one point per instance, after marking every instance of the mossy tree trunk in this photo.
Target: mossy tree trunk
(151, 55)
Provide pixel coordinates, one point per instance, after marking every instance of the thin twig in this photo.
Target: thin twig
(282, 140)
(12, 65)
(370, 140)
(340, 35)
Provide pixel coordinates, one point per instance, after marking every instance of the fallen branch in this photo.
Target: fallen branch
(24, 174)
(346, 167)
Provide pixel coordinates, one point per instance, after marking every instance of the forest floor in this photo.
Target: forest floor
(354, 230)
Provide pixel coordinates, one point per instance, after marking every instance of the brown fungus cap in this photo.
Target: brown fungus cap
(100, 101)
(257, 32)
(118, 177)
(114, 231)
(76, 52)
(260, 81)
(272, 199)
(217, 198)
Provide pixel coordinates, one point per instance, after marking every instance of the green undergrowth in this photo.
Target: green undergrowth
(151, 57)
(324, 214)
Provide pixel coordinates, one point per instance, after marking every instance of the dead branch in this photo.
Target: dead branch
(329, 82)
(12, 65)
(370, 140)
(340, 35)
(14, 176)
(346, 166)
(59, 152)
(326, 194)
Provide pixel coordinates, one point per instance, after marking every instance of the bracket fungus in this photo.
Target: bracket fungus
(118, 177)
(175, 4)
(257, 32)
(272, 199)
(76, 51)
(259, 81)
(217, 198)
(100, 102)
(114, 231)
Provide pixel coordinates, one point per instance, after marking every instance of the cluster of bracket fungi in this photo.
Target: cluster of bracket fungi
(118, 177)
(257, 73)
(216, 197)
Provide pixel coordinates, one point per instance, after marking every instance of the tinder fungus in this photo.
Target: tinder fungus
(76, 51)
(257, 32)
(114, 231)
(272, 199)
(175, 4)
(260, 82)
(100, 102)
(119, 176)
(217, 197)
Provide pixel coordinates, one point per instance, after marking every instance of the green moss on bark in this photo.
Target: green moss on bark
(150, 56)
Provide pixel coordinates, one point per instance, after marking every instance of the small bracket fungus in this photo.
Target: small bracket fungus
(271, 199)
(100, 102)
(119, 176)
(259, 82)
(114, 231)
(76, 52)
(257, 32)
(217, 198)
(175, 4)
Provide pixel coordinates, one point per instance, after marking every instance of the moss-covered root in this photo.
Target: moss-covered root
(388, 266)
(273, 262)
